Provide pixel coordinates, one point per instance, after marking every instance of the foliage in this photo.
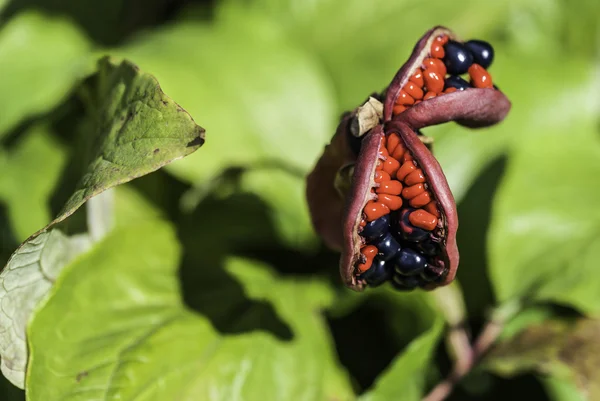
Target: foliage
(204, 280)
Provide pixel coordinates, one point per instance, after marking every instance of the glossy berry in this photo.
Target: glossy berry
(378, 273)
(376, 228)
(457, 82)
(483, 52)
(409, 262)
(406, 283)
(458, 59)
(388, 247)
(409, 232)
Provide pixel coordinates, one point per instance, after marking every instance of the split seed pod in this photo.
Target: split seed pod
(377, 194)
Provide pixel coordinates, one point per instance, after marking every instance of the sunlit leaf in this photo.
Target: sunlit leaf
(41, 59)
(127, 318)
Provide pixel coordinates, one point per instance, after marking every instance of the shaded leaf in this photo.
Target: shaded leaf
(127, 318)
(30, 172)
(44, 57)
(405, 379)
(284, 193)
(568, 351)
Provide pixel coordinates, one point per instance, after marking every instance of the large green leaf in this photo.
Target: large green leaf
(134, 129)
(566, 351)
(264, 98)
(36, 160)
(140, 341)
(543, 237)
(41, 59)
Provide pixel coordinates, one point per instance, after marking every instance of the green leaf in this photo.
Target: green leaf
(136, 130)
(41, 59)
(542, 241)
(406, 376)
(363, 43)
(284, 193)
(30, 171)
(566, 351)
(135, 338)
(270, 103)
(28, 276)
(562, 390)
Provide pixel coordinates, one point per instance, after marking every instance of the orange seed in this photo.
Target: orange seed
(437, 50)
(413, 191)
(405, 170)
(480, 78)
(417, 78)
(381, 176)
(404, 98)
(420, 200)
(393, 202)
(436, 64)
(431, 207)
(421, 218)
(391, 187)
(375, 210)
(415, 177)
(369, 252)
(392, 141)
(391, 165)
(413, 90)
(434, 82)
(398, 109)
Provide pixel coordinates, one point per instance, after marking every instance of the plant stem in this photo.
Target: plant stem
(468, 356)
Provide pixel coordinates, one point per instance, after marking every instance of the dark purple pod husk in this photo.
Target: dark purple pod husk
(472, 107)
(324, 201)
(360, 194)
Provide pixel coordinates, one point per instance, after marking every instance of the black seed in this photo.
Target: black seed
(405, 283)
(409, 262)
(387, 246)
(409, 232)
(376, 228)
(483, 52)
(378, 273)
(457, 82)
(428, 247)
(457, 59)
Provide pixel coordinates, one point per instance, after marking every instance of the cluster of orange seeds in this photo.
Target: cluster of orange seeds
(429, 80)
(398, 179)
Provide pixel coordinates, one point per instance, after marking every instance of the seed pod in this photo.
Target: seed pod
(340, 209)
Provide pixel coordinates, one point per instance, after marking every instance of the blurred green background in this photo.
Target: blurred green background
(268, 80)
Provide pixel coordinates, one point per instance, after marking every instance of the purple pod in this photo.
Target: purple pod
(343, 189)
